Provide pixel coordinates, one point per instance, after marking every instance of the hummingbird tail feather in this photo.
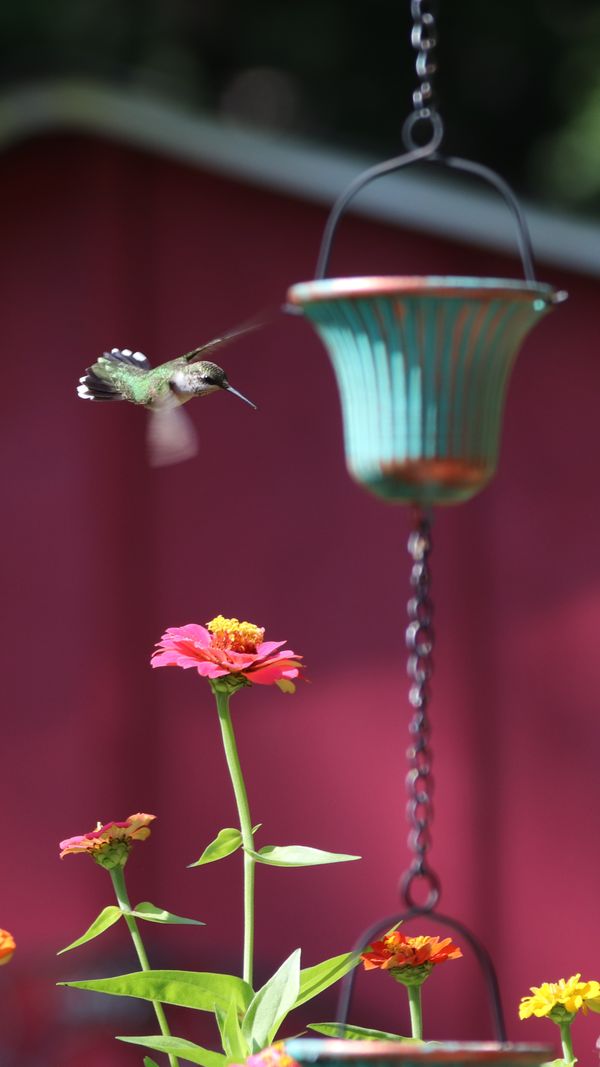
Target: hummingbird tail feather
(98, 382)
(91, 387)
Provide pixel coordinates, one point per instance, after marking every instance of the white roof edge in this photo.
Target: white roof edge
(309, 171)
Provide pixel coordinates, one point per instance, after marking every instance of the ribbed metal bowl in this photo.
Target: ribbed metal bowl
(337, 1053)
(422, 365)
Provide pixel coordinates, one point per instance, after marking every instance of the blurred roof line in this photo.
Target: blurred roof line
(287, 165)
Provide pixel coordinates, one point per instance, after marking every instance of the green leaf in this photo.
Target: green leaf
(234, 1043)
(286, 685)
(271, 1004)
(189, 989)
(178, 1046)
(357, 1033)
(314, 980)
(107, 918)
(149, 1063)
(226, 842)
(152, 914)
(297, 856)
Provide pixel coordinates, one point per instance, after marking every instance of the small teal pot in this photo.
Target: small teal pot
(332, 1052)
(422, 366)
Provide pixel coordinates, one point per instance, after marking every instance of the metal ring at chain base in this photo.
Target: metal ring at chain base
(423, 115)
(433, 889)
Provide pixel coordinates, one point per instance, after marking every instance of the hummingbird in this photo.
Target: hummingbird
(122, 374)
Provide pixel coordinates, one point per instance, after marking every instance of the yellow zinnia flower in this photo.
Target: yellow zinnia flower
(561, 1000)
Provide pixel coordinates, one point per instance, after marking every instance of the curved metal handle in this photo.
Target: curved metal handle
(417, 155)
(501, 186)
(481, 954)
(428, 154)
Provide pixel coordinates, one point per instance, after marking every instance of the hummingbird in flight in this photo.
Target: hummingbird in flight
(125, 375)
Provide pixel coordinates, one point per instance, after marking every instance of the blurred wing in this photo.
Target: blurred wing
(170, 436)
(219, 342)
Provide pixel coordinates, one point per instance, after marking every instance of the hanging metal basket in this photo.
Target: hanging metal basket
(422, 366)
(422, 363)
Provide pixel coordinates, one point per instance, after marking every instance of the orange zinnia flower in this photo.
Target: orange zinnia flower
(408, 959)
(7, 946)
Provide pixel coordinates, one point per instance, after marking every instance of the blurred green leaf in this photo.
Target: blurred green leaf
(286, 685)
(233, 1041)
(178, 1046)
(226, 842)
(188, 989)
(149, 1063)
(297, 856)
(152, 914)
(271, 1004)
(358, 1033)
(313, 980)
(107, 918)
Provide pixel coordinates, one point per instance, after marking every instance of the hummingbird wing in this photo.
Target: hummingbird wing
(170, 435)
(203, 351)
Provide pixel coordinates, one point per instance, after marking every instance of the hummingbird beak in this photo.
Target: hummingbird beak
(230, 389)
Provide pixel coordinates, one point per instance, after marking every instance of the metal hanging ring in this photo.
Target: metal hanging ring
(433, 885)
(427, 117)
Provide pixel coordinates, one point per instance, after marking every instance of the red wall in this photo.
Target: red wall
(104, 246)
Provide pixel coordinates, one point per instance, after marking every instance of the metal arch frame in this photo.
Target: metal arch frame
(480, 952)
(428, 154)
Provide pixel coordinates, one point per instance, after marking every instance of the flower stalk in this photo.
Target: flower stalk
(117, 875)
(567, 1041)
(243, 809)
(416, 1013)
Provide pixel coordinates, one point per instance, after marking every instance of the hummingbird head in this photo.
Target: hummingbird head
(206, 377)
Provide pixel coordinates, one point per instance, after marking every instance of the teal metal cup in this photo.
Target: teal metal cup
(332, 1052)
(422, 365)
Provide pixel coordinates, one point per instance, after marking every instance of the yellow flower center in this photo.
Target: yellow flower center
(235, 636)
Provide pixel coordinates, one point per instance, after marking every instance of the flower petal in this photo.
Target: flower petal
(267, 647)
(210, 670)
(271, 673)
(192, 631)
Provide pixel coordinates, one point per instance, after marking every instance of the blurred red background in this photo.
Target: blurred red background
(108, 246)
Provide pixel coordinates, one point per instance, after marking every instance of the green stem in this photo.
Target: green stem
(241, 800)
(118, 880)
(567, 1042)
(416, 1015)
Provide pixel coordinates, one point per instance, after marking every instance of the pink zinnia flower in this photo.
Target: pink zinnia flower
(109, 845)
(272, 1056)
(227, 648)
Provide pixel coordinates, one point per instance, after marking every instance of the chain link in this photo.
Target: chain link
(424, 40)
(419, 780)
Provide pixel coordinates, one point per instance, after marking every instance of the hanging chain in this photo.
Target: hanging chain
(419, 781)
(424, 40)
